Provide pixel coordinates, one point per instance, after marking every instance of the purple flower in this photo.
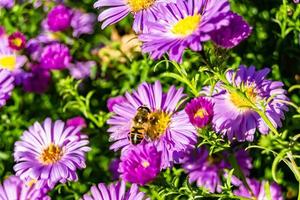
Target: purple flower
(207, 170)
(81, 70)
(200, 111)
(296, 1)
(17, 41)
(7, 3)
(258, 189)
(113, 168)
(234, 114)
(8, 57)
(170, 131)
(184, 24)
(141, 164)
(231, 35)
(59, 18)
(55, 56)
(14, 188)
(243, 160)
(50, 152)
(37, 80)
(115, 192)
(111, 102)
(82, 23)
(6, 86)
(143, 11)
(77, 122)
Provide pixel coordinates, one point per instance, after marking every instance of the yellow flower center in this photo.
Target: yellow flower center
(31, 182)
(51, 154)
(17, 42)
(186, 26)
(201, 113)
(8, 62)
(159, 122)
(145, 164)
(138, 5)
(242, 102)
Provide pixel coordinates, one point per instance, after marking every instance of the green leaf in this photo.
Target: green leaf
(276, 161)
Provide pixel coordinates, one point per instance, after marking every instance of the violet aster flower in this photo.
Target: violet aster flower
(231, 35)
(7, 3)
(184, 24)
(55, 56)
(37, 80)
(115, 191)
(9, 59)
(14, 188)
(50, 153)
(82, 23)
(113, 168)
(111, 102)
(141, 164)
(200, 111)
(143, 11)
(258, 189)
(59, 18)
(171, 132)
(77, 122)
(17, 41)
(6, 86)
(234, 115)
(81, 70)
(207, 170)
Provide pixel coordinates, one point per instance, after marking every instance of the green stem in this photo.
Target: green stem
(233, 161)
(299, 192)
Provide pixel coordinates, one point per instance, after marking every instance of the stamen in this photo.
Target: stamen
(159, 122)
(51, 154)
(242, 103)
(8, 62)
(186, 26)
(138, 5)
(201, 113)
(145, 164)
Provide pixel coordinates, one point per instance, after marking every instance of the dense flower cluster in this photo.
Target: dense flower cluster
(172, 26)
(171, 132)
(152, 130)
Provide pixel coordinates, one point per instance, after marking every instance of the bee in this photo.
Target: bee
(147, 125)
(140, 125)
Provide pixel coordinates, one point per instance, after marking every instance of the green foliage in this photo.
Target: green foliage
(274, 43)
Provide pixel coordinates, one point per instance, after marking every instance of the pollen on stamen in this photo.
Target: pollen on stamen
(145, 164)
(186, 26)
(8, 62)
(51, 154)
(138, 5)
(242, 103)
(159, 122)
